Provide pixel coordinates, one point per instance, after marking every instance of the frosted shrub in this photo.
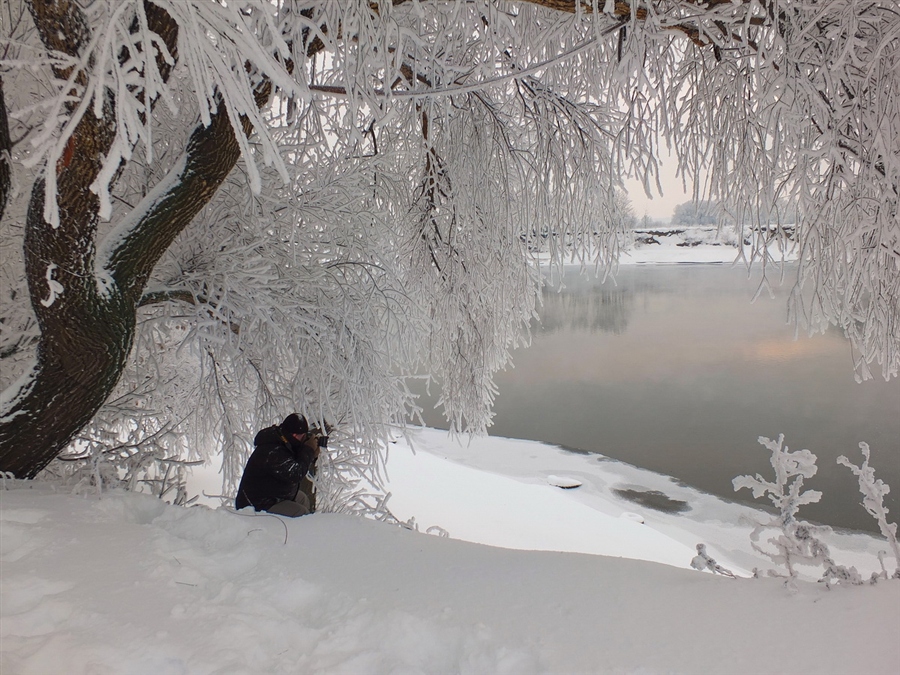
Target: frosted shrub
(703, 561)
(884, 573)
(797, 541)
(874, 491)
(840, 574)
(141, 455)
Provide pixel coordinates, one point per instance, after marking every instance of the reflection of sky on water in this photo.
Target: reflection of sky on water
(656, 331)
(780, 351)
(673, 369)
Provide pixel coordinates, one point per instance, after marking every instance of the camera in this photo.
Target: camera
(320, 437)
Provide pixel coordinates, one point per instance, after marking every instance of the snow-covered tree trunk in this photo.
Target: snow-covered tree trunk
(5, 150)
(86, 319)
(84, 338)
(416, 162)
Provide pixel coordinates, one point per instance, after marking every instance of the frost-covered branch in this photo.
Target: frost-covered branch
(874, 490)
(368, 189)
(131, 251)
(181, 295)
(703, 561)
(798, 541)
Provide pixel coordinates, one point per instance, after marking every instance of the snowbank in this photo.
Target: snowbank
(123, 583)
(693, 244)
(501, 492)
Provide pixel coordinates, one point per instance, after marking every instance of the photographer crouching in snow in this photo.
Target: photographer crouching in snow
(275, 477)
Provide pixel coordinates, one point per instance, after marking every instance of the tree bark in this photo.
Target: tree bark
(87, 333)
(5, 156)
(74, 363)
(87, 328)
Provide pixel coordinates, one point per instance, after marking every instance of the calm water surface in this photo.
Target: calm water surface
(673, 369)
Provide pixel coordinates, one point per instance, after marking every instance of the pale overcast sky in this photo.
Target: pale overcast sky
(659, 207)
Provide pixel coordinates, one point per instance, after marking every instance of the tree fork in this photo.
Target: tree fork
(83, 351)
(87, 330)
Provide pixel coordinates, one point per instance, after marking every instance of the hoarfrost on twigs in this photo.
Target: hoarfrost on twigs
(795, 541)
(874, 490)
(703, 561)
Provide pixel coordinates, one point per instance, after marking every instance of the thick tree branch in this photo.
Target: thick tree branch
(85, 335)
(623, 11)
(211, 154)
(5, 154)
(62, 26)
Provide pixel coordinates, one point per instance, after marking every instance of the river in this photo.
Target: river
(672, 368)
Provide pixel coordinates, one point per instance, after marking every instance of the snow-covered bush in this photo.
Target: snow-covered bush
(874, 491)
(883, 574)
(797, 541)
(143, 455)
(840, 574)
(703, 561)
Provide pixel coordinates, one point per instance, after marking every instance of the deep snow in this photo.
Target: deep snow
(696, 244)
(532, 578)
(123, 583)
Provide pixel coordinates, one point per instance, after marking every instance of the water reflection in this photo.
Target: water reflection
(607, 309)
(675, 370)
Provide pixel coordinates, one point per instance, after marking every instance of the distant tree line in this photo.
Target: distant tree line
(697, 213)
(711, 212)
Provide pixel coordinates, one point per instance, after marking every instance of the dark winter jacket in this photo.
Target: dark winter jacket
(274, 470)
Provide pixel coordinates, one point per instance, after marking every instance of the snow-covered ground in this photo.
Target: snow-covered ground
(688, 244)
(504, 492)
(123, 583)
(666, 244)
(536, 576)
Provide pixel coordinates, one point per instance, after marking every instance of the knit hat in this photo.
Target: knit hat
(294, 424)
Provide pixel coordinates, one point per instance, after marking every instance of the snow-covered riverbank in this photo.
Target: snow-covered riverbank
(123, 583)
(553, 562)
(668, 244)
(692, 244)
(503, 492)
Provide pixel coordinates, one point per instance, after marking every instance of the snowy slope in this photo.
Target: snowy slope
(509, 500)
(123, 583)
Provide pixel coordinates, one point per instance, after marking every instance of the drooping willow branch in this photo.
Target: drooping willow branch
(182, 295)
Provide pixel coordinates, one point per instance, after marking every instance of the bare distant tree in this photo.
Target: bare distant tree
(219, 212)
